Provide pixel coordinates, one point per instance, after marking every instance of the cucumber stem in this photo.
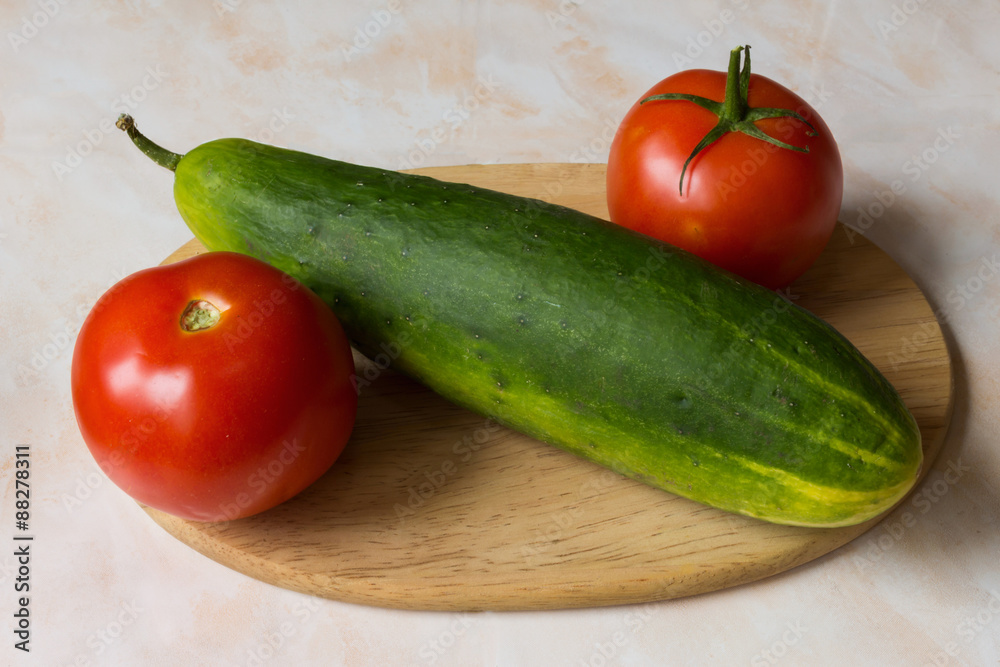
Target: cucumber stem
(156, 153)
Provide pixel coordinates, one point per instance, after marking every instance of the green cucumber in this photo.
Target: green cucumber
(580, 333)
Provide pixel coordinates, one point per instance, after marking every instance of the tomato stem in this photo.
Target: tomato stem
(734, 107)
(199, 315)
(156, 153)
(734, 113)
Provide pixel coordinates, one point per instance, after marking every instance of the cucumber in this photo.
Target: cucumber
(619, 348)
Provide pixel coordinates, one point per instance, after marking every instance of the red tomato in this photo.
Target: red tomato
(751, 207)
(219, 422)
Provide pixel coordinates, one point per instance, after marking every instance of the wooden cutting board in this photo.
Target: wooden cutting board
(432, 507)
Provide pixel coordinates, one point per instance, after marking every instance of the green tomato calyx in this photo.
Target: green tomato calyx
(735, 113)
(200, 315)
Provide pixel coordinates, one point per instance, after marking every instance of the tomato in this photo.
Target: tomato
(213, 388)
(761, 210)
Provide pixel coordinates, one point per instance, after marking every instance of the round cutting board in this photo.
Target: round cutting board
(433, 507)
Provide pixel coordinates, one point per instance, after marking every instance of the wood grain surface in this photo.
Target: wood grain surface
(433, 507)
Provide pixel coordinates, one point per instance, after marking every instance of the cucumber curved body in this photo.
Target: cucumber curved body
(580, 333)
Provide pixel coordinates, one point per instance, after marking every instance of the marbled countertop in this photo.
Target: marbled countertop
(909, 88)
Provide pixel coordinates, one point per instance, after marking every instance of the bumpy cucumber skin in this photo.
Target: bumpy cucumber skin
(580, 333)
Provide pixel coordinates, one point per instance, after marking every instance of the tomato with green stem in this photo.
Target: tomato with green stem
(752, 183)
(213, 388)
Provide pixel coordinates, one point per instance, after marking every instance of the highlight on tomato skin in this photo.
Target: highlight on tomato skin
(214, 388)
(731, 166)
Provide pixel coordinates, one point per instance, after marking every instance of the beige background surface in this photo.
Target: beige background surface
(909, 88)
